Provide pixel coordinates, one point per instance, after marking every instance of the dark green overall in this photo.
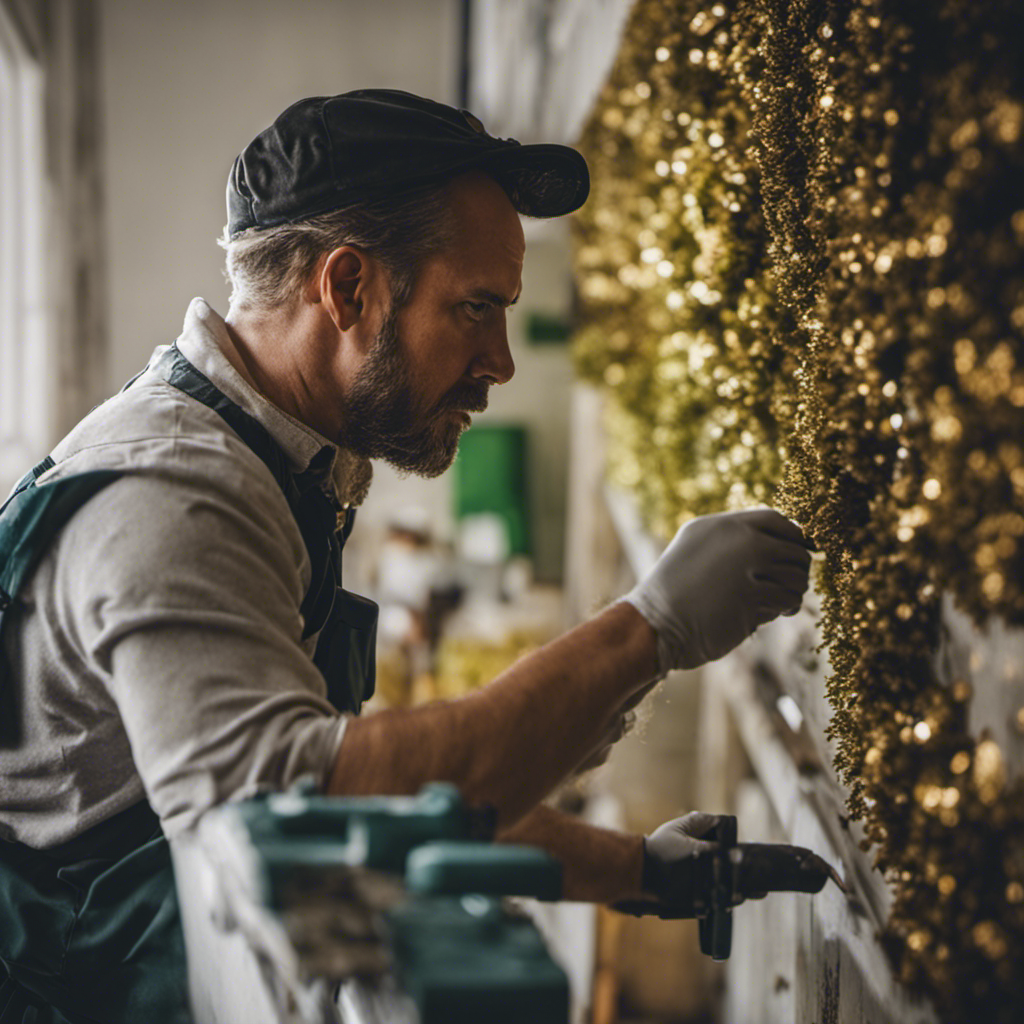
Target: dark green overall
(89, 930)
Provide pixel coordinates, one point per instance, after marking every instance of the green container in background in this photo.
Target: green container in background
(490, 477)
(543, 329)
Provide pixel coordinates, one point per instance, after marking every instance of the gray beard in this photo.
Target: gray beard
(383, 414)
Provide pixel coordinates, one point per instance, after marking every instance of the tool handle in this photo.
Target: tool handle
(716, 926)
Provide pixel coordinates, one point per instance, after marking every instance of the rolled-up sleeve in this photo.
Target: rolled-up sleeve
(185, 595)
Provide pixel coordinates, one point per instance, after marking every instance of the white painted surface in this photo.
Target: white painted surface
(823, 946)
(558, 52)
(187, 84)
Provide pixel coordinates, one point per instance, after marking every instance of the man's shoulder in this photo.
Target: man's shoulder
(154, 428)
(187, 485)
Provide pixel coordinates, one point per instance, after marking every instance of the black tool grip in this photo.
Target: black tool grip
(716, 926)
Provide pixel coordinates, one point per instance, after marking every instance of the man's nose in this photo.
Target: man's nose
(495, 360)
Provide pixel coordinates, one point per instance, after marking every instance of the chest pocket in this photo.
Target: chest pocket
(346, 651)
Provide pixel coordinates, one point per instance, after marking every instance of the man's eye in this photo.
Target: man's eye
(476, 309)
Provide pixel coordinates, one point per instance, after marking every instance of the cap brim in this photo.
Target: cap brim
(542, 180)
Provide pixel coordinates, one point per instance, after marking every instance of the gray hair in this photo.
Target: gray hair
(267, 267)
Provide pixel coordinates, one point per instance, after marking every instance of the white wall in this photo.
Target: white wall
(187, 84)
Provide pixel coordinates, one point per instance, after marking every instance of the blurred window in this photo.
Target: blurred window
(24, 415)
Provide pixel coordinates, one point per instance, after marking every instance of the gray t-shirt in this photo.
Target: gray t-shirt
(158, 648)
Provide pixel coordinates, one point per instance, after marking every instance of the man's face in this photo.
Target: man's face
(434, 359)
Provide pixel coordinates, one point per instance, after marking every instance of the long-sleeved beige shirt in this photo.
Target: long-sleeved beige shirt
(157, 649)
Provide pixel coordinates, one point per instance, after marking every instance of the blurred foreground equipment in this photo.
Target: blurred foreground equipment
(365, 910)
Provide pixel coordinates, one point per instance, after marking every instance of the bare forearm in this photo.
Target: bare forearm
(598, 864)
(509, 744)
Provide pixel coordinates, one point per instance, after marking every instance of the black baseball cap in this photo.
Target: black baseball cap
(327, 152)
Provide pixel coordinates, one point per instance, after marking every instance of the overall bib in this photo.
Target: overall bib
(89, 930)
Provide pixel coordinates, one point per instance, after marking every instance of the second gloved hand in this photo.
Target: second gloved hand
(679, 879)
(720, 578)
(670, 860)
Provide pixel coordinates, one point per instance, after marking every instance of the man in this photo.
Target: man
(174, 630)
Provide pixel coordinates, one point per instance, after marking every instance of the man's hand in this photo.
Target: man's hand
(678, 878)
(671, 855)
(720, 578)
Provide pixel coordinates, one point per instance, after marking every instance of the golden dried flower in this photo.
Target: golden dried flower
(837, 335)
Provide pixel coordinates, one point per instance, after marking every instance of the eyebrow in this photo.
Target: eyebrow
(494, 298)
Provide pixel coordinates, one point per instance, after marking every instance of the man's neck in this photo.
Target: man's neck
(238, 355)
(261, 353)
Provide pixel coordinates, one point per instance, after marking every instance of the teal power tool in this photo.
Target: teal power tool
(707, 885)
(398, 900)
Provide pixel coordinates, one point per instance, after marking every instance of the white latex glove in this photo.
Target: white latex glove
(720, 578)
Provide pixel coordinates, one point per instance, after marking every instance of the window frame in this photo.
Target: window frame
(25, 317)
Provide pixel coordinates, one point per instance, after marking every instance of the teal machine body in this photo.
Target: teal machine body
(391, 907)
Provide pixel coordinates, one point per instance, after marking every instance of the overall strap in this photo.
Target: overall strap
(346, 623)
(29, 520)
(180, 373)
(315, 513)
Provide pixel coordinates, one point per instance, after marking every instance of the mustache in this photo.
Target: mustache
(469, 397)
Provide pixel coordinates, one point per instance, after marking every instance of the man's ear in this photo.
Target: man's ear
(346, 277)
